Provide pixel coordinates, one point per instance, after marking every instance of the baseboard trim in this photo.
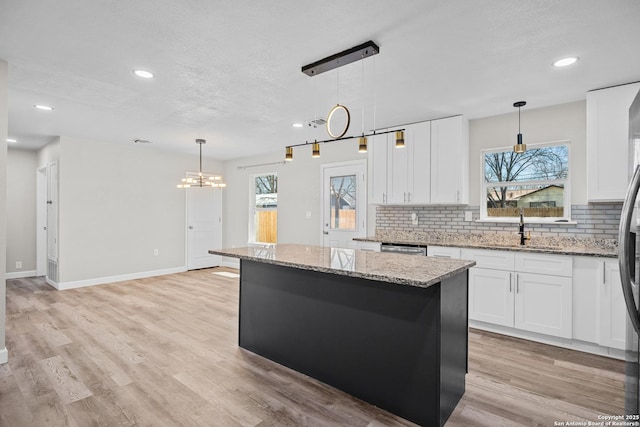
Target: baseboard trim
(568, 343)
(20, 274)
(113, 279)
(231, 262)
(4, 356)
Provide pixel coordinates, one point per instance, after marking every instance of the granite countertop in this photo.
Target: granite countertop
(420, 271)
(607, 248)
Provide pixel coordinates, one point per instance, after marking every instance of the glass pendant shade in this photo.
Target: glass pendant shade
(288, 156)
(315, 150)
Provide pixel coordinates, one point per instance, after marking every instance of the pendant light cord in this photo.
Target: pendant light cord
(362, 96)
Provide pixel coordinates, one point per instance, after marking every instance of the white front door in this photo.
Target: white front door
(204, 226)
(343, 203)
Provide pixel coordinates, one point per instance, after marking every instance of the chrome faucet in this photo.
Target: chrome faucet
(521, 229)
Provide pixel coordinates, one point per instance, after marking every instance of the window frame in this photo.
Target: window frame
(566, 218)
(253, 209)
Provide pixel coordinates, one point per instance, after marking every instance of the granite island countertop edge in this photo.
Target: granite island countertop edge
(461, 266)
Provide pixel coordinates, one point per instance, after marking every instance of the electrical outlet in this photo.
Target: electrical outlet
(468, 216)
(414, 218)
(18, 264)
(155, 252)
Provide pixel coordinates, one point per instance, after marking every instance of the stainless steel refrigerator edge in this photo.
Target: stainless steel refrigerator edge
(628, 258)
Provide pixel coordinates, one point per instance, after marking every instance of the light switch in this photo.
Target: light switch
(308, 215)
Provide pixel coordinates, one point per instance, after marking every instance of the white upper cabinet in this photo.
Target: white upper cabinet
(407, 175)
(450, 160)
(608, 142)
(420, 162)
(398, 171)
(378, 153)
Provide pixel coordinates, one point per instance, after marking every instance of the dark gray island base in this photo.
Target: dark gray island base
(400, 347)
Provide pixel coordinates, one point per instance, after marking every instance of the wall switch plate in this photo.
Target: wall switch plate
(155, 252)
(468, 216)
(18, 264)
(308, 215)
(414, 218)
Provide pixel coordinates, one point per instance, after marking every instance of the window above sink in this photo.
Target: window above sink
(536, 181)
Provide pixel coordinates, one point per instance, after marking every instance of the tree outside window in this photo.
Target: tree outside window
(535, 181)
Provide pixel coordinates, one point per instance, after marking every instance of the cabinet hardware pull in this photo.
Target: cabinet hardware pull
(517, 283)
(510, 282)
(604, 274)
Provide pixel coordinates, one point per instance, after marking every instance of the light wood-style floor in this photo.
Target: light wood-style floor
(163, 352)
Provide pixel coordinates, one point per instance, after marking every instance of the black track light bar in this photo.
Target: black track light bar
(337, 60)
(374, 133)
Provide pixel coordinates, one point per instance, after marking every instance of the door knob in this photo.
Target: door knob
(325, 232)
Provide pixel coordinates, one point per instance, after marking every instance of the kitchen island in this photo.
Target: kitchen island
(389, 329)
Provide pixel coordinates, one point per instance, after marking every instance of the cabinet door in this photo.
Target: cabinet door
(449, 160)
(543, 304)
(378, 156)
(613, 312)
(420, 164)
(398, 173)
(587, 280)
(608, 141)
(491, 296)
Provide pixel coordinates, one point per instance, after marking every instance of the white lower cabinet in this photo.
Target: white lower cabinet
(543, 304)
(443, 252)
(503, 291)
(367, 246)
(599, 308)
(491, 296)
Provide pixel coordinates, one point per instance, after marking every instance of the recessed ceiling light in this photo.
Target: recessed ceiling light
(143, 73)
(43, 107)
(11, 140)
(565, 62)
(297, 125)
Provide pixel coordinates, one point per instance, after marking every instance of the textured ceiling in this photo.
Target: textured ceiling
(229, 72)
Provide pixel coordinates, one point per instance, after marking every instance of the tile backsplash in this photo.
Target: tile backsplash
(598, 221)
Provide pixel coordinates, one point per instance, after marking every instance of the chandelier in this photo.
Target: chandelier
(201, 179)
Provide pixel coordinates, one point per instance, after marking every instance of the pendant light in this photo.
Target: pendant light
(288, 155)
(519, 148)
(315, 150)
(399, 139)
(362, 141)
(201, 179)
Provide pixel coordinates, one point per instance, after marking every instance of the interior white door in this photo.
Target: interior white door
(41, 222)
(344, 190)
(52, 212)
(204, 226)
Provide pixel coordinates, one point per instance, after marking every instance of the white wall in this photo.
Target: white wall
(298, 192)
(21, 212)
(117, 204)
(4, 130)
(558, 122)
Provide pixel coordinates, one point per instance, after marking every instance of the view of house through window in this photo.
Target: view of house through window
(263, 224)
(535, 182)
(343, 202)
